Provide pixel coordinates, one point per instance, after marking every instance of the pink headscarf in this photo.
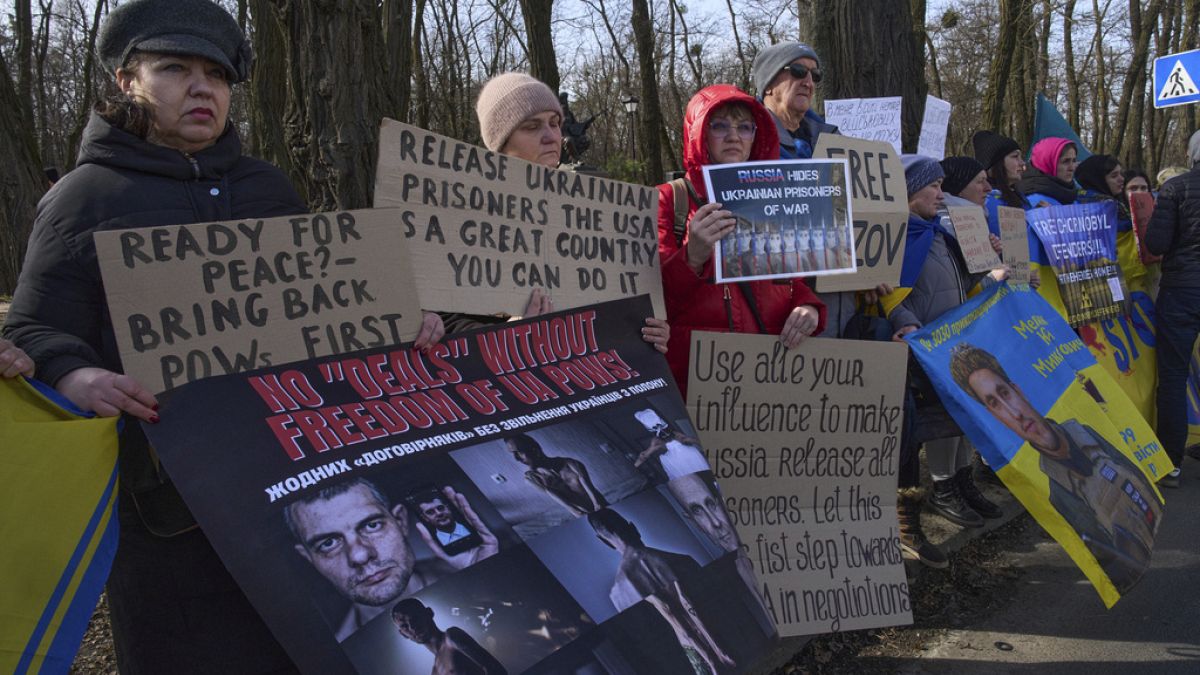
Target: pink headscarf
(1046, 152)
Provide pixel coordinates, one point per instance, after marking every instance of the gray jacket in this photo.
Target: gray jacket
(941, 286)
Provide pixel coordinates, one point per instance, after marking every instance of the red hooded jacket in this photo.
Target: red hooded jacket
(694, 302)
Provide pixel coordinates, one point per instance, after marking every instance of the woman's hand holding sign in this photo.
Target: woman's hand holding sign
(800, 324)
(709, 225)
(108, 394)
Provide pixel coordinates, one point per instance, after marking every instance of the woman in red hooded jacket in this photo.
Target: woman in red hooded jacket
(722, 125)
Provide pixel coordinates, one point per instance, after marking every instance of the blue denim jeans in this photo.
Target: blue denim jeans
(1178, 312)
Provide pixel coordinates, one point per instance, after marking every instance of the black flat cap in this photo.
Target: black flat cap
(181, 27)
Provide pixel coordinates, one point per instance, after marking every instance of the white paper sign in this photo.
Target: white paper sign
(933, 128)
(874, 119)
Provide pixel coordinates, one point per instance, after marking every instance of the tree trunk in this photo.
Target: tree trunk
(1002, 60)
(22, 184)
(650, 130)
(338, 88)
(1141, 26)
(543, 64)
(743, 62)
(89, 88)
(869, 49)
(397, 26)
(42, 42)
(1020, 98)
(24, 30)
(1069, 64)
(420, 80)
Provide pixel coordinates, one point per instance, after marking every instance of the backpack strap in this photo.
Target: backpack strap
(679, 191)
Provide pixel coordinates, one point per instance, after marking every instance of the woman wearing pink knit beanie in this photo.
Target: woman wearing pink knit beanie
(520, 116)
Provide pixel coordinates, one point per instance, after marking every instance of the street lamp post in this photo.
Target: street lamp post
(631, 108)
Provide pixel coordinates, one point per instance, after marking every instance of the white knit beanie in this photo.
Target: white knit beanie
(508, 99)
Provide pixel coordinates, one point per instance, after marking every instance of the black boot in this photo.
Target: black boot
(949, 504)
(913, 544)
(973, 497)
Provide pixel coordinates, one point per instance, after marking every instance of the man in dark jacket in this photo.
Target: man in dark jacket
(786, 75)
(1174, 233)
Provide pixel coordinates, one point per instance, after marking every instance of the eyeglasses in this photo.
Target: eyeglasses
(722, 129)
(800, 72)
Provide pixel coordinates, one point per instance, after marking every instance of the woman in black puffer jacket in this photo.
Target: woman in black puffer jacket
(159, 152)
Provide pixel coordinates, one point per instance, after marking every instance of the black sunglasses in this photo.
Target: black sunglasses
(800, 72)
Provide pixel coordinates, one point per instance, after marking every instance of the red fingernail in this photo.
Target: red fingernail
(154, 419)
(154, 407)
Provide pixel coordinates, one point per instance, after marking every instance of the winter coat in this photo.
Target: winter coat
(59, 315)
(1042, 189)
(694, 301)
(1174, 230)
(840, 305)
(800, 143)
(941, 283)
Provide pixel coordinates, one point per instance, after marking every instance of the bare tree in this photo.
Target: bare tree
(650, 130)
(871, 49)
(23, 184)
(543, 64)
(338, 88)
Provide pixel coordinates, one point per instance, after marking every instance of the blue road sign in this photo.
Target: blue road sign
(1175, 77)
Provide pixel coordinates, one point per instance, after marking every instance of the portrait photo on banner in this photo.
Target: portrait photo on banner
(1058, 430)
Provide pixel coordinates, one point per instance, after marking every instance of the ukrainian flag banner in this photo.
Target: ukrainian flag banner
(1122, 345)
(58, 468)
(1058, 430)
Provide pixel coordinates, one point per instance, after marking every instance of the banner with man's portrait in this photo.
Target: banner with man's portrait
(529, 497)
(1058, 430)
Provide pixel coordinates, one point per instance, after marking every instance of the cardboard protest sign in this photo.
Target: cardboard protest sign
(486, 229)
(1057, 429)
(1014, 242)
(1081, 243)
(880, 205)
(932, 142)
(508, 490)
(971, 231)
(1141, 209)
(872, 119)
(805, 444)
(190, 301)
(793, 219)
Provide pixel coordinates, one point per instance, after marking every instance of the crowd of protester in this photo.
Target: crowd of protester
(160, 151)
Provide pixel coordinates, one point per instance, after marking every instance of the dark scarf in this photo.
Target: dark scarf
(1036, 182)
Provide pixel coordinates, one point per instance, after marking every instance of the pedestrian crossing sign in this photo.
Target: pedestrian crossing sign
(1175, 79)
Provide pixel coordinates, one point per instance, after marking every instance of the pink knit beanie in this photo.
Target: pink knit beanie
(508, 99)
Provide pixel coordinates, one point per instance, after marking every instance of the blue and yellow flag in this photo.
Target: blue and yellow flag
(58, 467)
(1059, 431)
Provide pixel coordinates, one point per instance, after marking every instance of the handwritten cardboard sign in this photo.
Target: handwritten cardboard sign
(932, 142)
(880, 205)
(971, 230)
(1014, 243)
(872, 119)
(805, 446)
(191, 301)
(486, 229)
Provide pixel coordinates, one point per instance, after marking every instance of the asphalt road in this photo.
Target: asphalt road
(1056, 623)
